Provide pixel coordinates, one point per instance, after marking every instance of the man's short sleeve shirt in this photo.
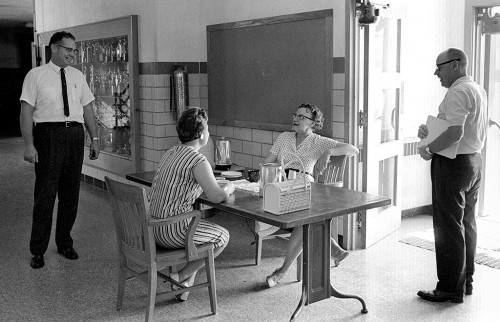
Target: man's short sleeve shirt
(42, 89)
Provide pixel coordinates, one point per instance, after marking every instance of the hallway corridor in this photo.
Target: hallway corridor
(387, 275)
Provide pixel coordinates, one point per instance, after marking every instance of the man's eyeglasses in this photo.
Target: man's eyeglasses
(301, 117)
(69, 50)
(446, 62)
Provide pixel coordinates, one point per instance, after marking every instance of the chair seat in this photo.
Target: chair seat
(179, 256)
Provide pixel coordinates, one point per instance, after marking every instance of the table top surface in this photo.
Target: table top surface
(326, 202)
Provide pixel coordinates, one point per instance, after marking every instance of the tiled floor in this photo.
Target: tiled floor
(388, 274)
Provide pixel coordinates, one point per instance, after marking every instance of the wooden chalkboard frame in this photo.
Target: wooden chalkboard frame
(224, 81)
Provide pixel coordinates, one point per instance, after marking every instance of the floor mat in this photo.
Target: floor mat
(488, 257)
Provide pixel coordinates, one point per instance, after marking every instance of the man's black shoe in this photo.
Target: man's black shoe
(440, 296)
(69, 253)
(37, 261)
(468, 288)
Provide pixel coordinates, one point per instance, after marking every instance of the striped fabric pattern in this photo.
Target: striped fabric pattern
(173, 192)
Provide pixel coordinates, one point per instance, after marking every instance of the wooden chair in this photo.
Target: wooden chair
(334, 175)
(137, 252)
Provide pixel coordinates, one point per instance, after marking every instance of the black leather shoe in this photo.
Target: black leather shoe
(440, 296)
(37, 261)
(468, 289)
(69, 253)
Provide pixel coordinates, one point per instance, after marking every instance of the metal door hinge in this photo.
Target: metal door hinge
(362, 119)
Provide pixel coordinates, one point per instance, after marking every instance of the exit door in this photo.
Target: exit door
(382, 90)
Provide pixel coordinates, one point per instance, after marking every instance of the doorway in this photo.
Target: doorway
(487, 72)
(380, 91)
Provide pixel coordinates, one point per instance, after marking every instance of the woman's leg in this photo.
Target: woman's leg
(188, 273)
(294, 248)
(338, 252)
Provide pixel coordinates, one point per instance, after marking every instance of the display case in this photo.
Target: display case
(107, 56)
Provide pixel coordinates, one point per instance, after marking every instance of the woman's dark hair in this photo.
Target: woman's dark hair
(191, 124)
(317, 115)
(59, 36)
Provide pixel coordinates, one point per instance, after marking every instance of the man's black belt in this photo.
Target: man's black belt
(59, 124)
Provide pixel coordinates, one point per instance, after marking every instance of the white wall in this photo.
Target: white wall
(175, 30)
(59, 14)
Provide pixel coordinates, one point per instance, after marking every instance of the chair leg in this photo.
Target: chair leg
(210, 269)
(258, 250)
(300, 260)
(152, 279)
(122, 278)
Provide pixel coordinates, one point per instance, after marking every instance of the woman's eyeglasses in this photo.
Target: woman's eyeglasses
(301, 117)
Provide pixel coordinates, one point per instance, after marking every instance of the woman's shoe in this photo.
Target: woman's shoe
(274, 278)
(180, 297)
(340, 256)
(175, 277)
(183, 296)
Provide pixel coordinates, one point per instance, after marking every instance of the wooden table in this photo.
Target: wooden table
(327, 202)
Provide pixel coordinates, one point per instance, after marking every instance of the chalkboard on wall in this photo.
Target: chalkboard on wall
(260, 71)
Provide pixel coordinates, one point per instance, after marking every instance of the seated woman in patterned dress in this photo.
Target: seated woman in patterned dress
(314, 151)
(183, 175)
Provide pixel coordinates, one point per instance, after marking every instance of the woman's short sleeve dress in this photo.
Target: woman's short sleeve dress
(174, 192)
(309, 151)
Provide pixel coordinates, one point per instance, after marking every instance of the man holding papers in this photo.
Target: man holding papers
(455, 181)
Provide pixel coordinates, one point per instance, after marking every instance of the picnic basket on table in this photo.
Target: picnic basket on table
(289, 195)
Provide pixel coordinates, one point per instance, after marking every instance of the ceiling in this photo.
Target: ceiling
(16, 13)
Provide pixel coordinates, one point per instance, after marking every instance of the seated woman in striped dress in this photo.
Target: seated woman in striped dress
(183, 175)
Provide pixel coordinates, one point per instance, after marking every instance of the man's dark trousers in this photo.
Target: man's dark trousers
(455, 185)
(58, 171)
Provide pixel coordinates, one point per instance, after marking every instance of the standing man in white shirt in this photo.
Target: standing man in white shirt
(55, 103)
(455, 182)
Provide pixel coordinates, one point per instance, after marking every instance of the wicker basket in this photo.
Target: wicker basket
(287, 196)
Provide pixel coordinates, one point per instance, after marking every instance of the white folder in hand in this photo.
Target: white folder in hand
(437, 126)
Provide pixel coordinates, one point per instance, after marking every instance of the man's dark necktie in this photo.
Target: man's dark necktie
(65, 93)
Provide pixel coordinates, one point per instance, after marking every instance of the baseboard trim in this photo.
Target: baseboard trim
(423, 210)
(93, 181)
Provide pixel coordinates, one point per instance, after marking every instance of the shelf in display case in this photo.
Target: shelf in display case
(108, 58)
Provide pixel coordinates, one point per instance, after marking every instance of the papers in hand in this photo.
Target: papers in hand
(437, 126)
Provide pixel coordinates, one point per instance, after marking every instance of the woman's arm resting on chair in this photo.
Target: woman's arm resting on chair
(339, 149)
(344, 149)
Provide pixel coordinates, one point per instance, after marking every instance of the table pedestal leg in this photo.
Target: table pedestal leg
(316, 285)
(337, 294)
(302, 302)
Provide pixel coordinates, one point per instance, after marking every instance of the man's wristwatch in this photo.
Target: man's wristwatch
(427, 149)
(95, 139)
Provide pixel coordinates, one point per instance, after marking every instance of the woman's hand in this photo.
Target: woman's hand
(229, 188)
(226, 185)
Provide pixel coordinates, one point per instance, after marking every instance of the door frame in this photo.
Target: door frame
(480, 70)
(353, 224)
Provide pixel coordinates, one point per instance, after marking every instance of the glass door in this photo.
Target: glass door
(487, 49)
(381, 90)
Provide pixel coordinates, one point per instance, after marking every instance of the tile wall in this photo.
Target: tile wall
(249, 147)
